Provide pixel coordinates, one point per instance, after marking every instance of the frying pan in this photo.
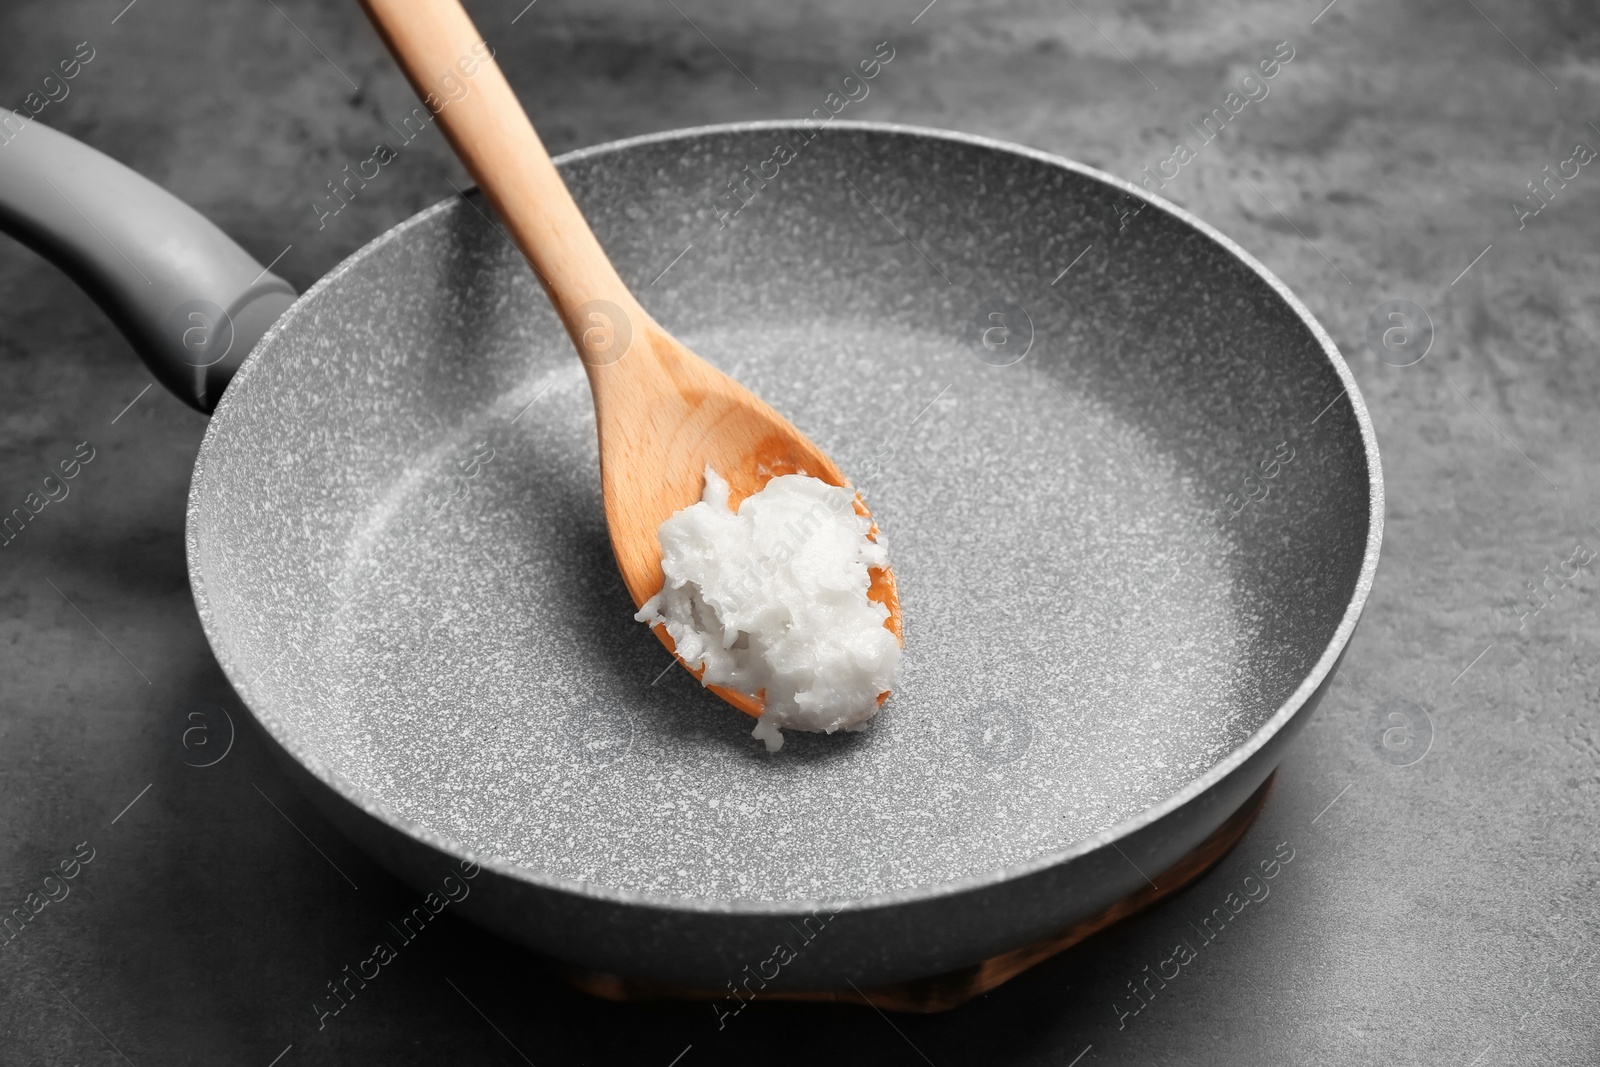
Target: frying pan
(1130, 486)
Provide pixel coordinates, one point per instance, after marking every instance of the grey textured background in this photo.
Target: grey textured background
(1441, 912)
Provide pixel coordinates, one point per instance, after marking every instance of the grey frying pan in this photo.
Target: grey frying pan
(1131, 488)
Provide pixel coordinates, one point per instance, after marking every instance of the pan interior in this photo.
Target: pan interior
(1117, 555)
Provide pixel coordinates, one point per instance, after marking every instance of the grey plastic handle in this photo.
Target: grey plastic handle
(190, 300)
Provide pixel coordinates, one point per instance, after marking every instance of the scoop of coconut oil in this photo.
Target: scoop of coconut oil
(771, 600)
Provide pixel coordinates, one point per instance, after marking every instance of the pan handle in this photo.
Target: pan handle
(190, 300)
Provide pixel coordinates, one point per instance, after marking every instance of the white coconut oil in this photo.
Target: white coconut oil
(772, 600)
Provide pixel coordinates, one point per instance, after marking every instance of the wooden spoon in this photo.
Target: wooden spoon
(664, 414)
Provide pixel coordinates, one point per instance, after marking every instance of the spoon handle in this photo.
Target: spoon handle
(453, 71)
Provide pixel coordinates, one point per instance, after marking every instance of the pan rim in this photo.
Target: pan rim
(1218, 773)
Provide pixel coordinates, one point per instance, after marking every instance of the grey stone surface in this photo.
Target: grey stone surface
(1433, 911)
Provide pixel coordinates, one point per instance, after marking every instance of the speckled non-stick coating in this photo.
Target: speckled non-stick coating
(1079, 648)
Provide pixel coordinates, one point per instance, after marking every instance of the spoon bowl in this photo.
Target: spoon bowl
(665, 415)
